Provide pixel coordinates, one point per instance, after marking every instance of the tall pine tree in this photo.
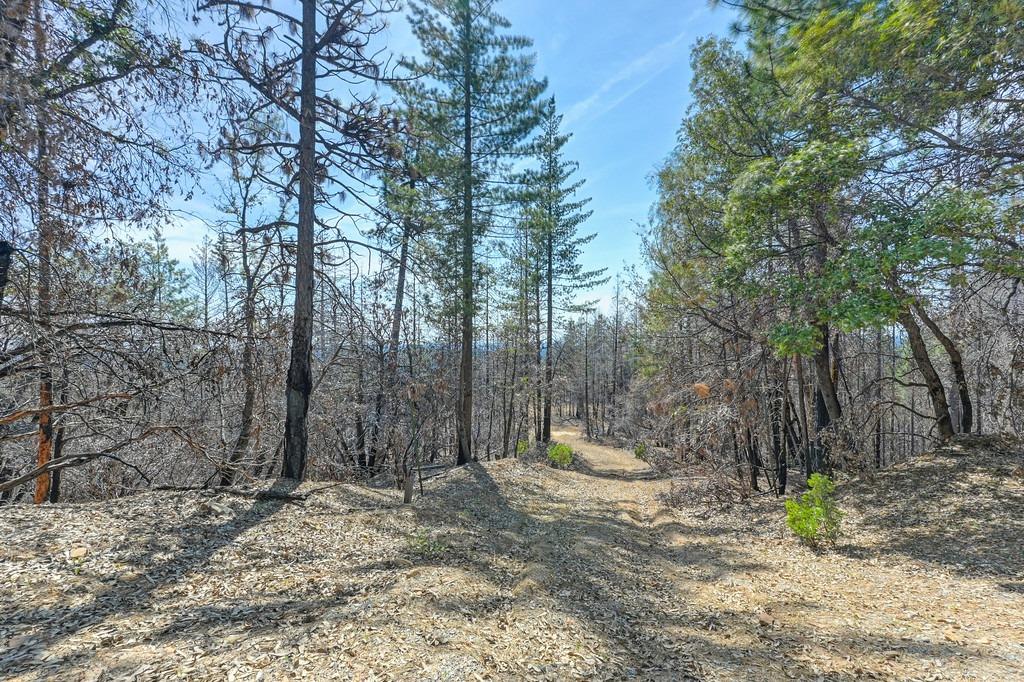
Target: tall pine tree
(476, 101)
(557, 216)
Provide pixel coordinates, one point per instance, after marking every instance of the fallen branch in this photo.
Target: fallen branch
(81, 458)
(62, 463)
(238, 492)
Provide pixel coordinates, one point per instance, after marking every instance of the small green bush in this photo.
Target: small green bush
(425, 546)
(560, 455)
(640, 451)
(815, 518)
(521, 447)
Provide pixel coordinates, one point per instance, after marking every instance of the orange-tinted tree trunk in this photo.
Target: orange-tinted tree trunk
(44, 228)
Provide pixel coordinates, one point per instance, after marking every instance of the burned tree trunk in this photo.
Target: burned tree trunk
(6, 251)
(464, 413)
(827, 409)
(300, 373)
(777, 417)
(956, 362)
(549, 366)
(241, 447)
(44, 303)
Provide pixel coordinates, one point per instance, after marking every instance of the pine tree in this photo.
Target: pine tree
(476, 101)
(557, 215)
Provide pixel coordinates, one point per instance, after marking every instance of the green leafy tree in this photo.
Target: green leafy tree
(929, 87)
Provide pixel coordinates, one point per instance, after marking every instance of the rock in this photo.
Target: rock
(78, 552)
(440, 638)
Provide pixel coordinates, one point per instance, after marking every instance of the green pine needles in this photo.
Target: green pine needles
(474, 102)
(815, 518)
(560, 455)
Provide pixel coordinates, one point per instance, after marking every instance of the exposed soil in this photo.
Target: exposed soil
(517, 571)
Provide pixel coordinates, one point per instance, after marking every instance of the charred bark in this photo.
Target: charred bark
(956, 362)
(464, 417)
(300, 373)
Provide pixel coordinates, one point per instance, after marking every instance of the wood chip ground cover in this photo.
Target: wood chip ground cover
(518, 571)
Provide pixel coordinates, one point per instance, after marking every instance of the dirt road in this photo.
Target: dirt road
(503, 570)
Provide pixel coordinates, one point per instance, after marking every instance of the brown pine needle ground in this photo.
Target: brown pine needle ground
(519, 571)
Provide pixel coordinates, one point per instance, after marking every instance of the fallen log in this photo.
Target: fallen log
(238, 492)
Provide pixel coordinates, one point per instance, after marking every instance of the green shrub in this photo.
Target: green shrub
(640, 450)
(425, 546)
(560, 455)
(815, 518)
(521, 447)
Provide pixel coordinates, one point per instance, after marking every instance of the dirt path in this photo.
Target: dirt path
(501, 571)
(746, 602)
(602, 460)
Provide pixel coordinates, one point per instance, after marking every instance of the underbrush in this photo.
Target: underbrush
(426, 546)
(815, 518)
(708, 491)
(560, 455)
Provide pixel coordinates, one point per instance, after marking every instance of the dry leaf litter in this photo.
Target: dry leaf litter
(514, 571)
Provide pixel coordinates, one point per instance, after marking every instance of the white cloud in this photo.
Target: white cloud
(633, 76)
(183, 236)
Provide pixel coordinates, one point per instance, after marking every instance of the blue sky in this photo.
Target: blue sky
(620, 73)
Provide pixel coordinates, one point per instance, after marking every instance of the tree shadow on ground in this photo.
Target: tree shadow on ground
(602, 567)
(581, 465)
(166, 555)
(958, 508)
(591, 564)
(605, 564)
(798, 649)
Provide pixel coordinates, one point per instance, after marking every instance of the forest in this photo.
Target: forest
(833, 256)
(389, 305)
(381, 285)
